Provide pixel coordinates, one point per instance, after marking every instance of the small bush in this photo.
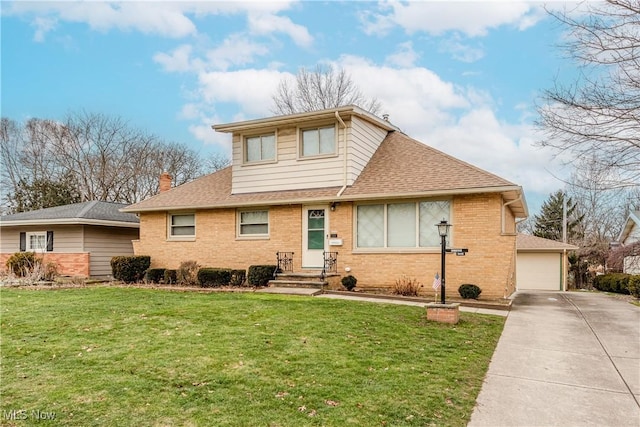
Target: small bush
(634, 286)
(155, 275)
(214, 277)
(259, 275)
(406, 287)
(22, 264)
(238, 277)
(468, 291)
(349, 282)
(187, 273)
(170, 277)
(614, 282)
(51, 271)
(130, 269)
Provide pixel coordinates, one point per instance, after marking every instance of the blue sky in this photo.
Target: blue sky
(462, 77)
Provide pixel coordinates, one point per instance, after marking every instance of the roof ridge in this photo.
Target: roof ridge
(86, 208)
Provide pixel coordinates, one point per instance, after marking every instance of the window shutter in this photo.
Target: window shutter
(49, 241)
(23, 241)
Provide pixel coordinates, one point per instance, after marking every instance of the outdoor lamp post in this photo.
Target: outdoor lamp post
(443, 230)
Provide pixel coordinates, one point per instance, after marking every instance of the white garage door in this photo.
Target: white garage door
(539, 271)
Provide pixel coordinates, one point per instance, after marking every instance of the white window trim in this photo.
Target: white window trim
(300, 141)
(28, 243)
(261, 236)
(243, 142)
(184, 238)
(394, 249)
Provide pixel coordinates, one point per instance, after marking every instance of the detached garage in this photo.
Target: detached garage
(541, 263)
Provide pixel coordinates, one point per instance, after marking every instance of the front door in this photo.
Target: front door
(314, 236)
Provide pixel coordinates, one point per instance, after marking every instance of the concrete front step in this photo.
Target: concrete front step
(285, 283)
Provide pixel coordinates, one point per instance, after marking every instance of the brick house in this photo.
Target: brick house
(344, 189)
(81, 238)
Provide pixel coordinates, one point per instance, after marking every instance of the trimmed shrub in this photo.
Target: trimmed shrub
(634, 286)
(259, 275)
(349, 282)
(22, 264)
(614, 282)
(155, 275)
(238, 277)
(170, 277)
(214, 277)
(130, 269)
(469, 291)
(187, 273)
(406, 287)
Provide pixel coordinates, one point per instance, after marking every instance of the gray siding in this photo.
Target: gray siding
(103, 243)
(66, 238)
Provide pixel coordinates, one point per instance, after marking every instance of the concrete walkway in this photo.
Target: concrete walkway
(564, 359)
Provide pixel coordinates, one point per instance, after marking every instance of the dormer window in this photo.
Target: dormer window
(260, 148)
(318, 141)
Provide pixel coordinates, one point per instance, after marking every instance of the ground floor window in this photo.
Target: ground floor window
(37, 241)
(182, 225)
(400, 225)
(253, 223)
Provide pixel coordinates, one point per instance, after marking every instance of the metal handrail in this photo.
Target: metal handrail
(285, 262)
(330, 264)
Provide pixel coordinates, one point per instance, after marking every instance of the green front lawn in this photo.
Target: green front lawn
(127, 356)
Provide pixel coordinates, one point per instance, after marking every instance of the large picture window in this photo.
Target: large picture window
(400, 225)
(318, 141)
(260, 148)
(182, 225)
(254, 223)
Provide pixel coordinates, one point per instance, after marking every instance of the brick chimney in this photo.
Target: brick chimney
(165, 182)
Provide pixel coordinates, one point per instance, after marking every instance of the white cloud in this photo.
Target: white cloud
(179, 60)
(460, 51)
(235, 50)
(268, 23)
(404, 57)
(43, 25)
(439, 17)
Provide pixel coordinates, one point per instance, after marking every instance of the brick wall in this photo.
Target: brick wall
(69, 264)
(476, 221)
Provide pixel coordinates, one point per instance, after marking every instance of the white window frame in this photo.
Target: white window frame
(252, 236)
(386, 247)
(30, 234)
(301, 131)
(245, 153)
(180, 237)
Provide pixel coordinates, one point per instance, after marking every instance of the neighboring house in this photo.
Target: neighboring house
(81, 238)
(631, 234)
(339, 181)
(542, 263)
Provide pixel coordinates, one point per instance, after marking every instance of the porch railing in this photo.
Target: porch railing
(330, 263)
(285, 262)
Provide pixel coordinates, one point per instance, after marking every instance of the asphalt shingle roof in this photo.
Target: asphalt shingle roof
(534, 243)
(400, 166)
(94, 210)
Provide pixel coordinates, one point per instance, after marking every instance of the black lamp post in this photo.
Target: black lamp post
(443, 230)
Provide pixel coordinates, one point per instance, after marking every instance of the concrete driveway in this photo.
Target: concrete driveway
(564, 359)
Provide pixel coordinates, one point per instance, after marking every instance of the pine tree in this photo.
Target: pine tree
(548, 224)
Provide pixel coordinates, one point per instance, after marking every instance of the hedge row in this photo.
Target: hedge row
(130, 269)
(613, 282)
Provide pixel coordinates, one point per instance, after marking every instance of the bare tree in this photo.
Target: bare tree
(216, 162)
(599, 114)
(320, 89)
(105, 157)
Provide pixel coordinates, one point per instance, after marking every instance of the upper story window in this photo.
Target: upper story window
(253, 223)
(400, 225)
(182, 226)
(318, 141)
(260, 148)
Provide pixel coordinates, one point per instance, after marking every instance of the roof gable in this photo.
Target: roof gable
(632, 223)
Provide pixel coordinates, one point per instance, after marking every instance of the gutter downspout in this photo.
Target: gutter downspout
(344, 144)
(504, 205)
